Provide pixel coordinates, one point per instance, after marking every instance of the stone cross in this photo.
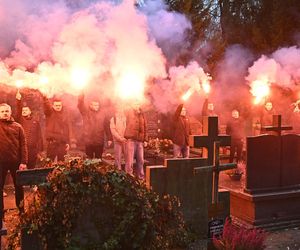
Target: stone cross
(217, 168)
(277, 126)
(211, 135)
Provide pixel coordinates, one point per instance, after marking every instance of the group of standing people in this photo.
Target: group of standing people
(22, 140)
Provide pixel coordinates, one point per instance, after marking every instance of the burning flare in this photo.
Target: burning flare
(187, 94)
(130, 86)
(206, 86)
(260, 89)
(79, 78)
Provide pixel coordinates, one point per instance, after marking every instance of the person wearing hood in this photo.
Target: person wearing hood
(32, 129)
(58, 129)
(13, 153)
(181, 133)
(96, 126)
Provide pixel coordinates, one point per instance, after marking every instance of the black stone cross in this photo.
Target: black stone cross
(211, 135)
(217, 168)
(277, 126)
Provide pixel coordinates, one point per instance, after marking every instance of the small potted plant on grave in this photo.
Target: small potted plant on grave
(234, 237)
(236, 173)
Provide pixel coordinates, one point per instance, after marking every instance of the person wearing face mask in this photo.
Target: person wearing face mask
(58, 129)
(95, 126)
(235, 128)
(181, 133)
(13, 153)
(32, 131)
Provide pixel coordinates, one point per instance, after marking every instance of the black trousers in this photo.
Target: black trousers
(32, 156)
(19, 193)
(236, 146)
(94, 150)
(58, 149)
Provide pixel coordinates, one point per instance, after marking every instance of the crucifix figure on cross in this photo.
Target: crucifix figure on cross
(277, 126)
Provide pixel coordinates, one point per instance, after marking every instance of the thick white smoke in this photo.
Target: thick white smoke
(49, 46)
(281, 68)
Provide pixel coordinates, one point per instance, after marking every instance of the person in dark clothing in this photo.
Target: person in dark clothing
(96, 125)
(137, 137)
(57, 131)
(32, 129)
(13, 153)
(235, 128)
(181, 133)
(266, 116)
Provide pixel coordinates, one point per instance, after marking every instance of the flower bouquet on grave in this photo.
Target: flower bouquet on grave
(166, 146)
(236, 173)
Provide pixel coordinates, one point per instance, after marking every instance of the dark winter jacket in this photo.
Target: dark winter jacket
(136, 126)
(266, 118)
(181, 128)
(235, 128)
(57, 124)
(32, 129)
(95, 124)
(13, 147)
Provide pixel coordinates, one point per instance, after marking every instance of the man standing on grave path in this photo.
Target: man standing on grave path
(181, 133)
(58, 129)
(266, 117)
(136, 135)
(235, 128)
(13, 153)
(117, 127)
(32, 129)
(95, 126)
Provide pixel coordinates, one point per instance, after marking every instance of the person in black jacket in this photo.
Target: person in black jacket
(32, 129)
(181, 133)
(13, 153)
(235, 128)
(58, 129)
(95, 126)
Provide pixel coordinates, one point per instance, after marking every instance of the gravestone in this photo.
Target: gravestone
(271, 198)
(177, 177)
(191, 180)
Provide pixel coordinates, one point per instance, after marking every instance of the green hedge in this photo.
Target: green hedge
(88, 205)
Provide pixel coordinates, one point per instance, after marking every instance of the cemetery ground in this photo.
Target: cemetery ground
(282, 239)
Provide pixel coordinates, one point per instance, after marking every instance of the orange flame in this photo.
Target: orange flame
(187, 94)
(19, 84)
(80, 78)
(260, 89)
(206, 87)
(130, 86)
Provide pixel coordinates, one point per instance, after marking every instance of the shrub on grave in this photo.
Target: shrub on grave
(87, 205)
(240, 238)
